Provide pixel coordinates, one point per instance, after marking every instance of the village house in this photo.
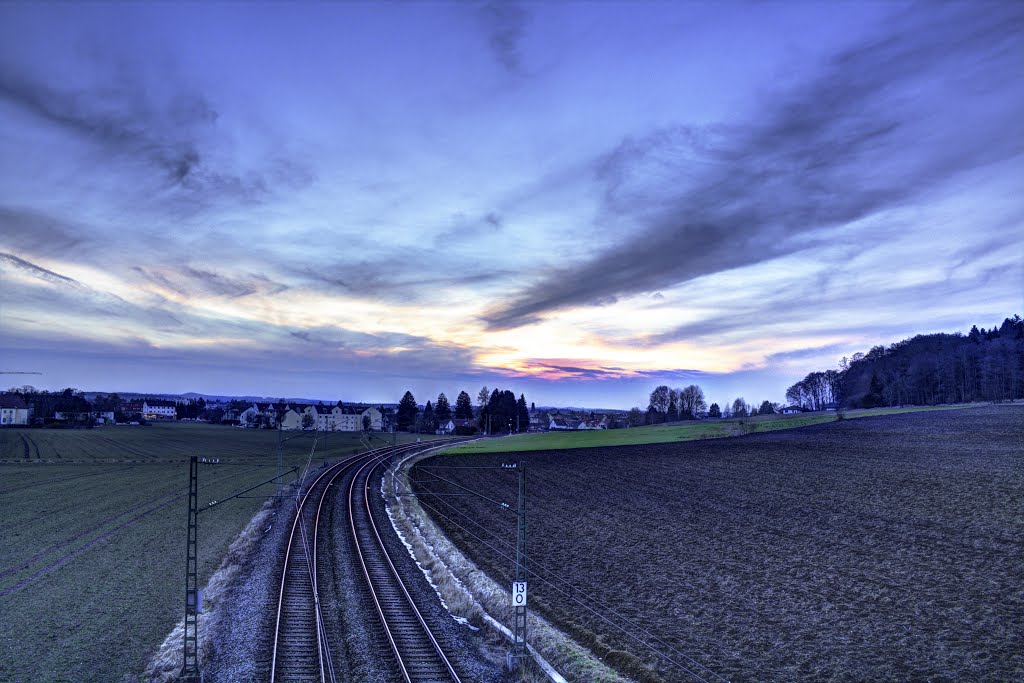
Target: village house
(98, 416)
(13, 410)
(325, 418)
(445, 427)
(291, 419)
(320, 417)
(156, 409)
(790, 410)
(539, 421)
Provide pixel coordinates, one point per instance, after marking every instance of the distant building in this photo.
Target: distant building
(13, 410)
(82, 416)
(559, 423)
(154, 409)
(291, 419)
(325, 418)
(445, 427)
(790, 410)
(355, 415)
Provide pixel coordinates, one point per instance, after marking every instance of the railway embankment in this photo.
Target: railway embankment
(472, 597)
(232, 626)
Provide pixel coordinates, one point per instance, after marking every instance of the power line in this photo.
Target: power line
(251, 488)
(579, 602)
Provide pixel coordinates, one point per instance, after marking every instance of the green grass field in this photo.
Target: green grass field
(93, 547)
(687, 431)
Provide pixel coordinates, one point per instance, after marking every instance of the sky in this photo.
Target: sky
(578, 201)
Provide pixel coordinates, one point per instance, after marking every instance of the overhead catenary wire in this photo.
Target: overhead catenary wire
(568, 582)
(573, 587)
(587, 607)
(320, 635)
(475, 493)
(215, 503)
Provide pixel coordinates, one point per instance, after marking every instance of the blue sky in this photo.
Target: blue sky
(575, 200)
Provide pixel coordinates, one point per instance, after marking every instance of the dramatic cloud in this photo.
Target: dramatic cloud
(356, 199)
(506, 25)
(825, 153)
(36, 232)
(35, 270)
(121, 119)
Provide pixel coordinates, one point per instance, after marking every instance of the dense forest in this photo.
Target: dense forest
(983, 365)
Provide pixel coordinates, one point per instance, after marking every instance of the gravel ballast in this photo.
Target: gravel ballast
(239, 632)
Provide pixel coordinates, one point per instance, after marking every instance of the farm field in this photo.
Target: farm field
(685, 431)
(93, 547)
(886, 548)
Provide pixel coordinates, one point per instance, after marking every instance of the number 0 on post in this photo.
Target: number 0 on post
(519, 594)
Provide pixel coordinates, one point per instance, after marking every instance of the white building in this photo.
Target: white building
(13, 410)
(291, 419)
(152, 408)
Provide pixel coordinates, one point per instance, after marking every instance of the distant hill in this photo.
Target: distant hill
(218, 398)
(929, 369)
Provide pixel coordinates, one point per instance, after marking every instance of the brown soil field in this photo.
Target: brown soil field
(888, 548)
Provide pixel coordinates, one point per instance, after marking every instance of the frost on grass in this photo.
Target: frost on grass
(471, 596)
(166, 664)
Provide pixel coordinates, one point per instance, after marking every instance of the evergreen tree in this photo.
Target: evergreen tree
(766, 408)
(483, 397)
(523, 414)
(463, 407)
(873, 399)
(714, 411)
(407, 410)
(429, 419)
(442, 410)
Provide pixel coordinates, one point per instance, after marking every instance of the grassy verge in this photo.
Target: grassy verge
(92, 558)
(687, 431)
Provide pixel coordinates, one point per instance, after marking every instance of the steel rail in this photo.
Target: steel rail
(337, 469)
(368, 468)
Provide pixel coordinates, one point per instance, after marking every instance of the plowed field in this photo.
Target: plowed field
(888, 548)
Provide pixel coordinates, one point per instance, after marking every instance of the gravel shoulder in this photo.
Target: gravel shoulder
(236, 636)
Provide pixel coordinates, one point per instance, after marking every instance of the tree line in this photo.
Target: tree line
(672, 405)
(497, 411)
(689, 403)
(983, 365)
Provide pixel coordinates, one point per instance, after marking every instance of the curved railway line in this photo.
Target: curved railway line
(301, 649)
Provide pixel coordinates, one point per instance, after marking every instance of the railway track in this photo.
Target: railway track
(301, 646)
(419, 655)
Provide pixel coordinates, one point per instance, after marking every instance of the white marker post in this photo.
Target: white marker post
(519, 594)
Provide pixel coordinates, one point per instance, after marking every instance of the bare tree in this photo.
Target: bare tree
(691, 402)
